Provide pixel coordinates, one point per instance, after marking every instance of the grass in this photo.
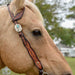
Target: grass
(71, 62)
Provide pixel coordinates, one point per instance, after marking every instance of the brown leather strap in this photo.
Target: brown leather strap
(18, 16)
(26, 42)
(31, 51)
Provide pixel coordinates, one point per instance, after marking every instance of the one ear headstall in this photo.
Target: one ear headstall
(26, 43)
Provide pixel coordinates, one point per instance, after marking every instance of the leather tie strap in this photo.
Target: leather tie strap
(25, 41)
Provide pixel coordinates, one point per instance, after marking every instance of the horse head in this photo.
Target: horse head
(12, 51)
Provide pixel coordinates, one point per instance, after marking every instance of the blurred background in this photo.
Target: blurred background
(59, 17)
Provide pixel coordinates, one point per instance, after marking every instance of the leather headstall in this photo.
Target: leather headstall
(26, 43)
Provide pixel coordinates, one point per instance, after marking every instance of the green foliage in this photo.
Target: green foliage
(72, 16)
(72, 9)
(47, 11)
(67, 36)
(5, 2)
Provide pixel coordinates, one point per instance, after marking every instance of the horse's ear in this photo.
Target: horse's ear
(19, 3)
(16, 5)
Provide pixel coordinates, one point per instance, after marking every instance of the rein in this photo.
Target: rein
(26, 43)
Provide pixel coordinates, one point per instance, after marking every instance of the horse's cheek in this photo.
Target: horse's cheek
(16, 58)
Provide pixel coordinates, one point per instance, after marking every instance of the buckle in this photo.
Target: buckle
(18, 28)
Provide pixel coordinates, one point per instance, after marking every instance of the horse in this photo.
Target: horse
(15, 56)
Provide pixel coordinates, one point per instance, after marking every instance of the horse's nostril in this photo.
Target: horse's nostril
(67, 74)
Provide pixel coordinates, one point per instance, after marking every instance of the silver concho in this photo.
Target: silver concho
(18, 28)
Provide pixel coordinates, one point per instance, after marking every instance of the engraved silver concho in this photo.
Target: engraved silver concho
(18, 28)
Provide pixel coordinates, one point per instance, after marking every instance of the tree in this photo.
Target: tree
(48, 12)
(52, 22)
(3, 2)
(71, 16)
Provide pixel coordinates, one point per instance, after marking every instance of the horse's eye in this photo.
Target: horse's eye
(36, 33)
